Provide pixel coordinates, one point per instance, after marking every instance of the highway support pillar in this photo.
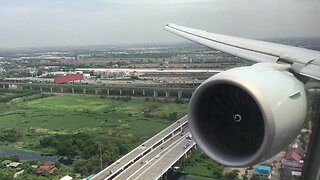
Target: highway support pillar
(120, 92)
(31, 87)
(143, 92)
(155, 93)
(61, 89)
(41, 88)
(179, 93)
(3, 86)
(133, 92)
(50, 89)
(108, 92)
(167, 94)
(72, 90)
(96, 91)
(84, 90)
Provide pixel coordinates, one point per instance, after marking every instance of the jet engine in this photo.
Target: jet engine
(246, 115)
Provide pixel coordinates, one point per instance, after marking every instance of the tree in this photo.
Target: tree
(10, 135)
(6, 174)
(233, 175)
(244, 177)
(79, 166)
(173, 115)
(66, 150)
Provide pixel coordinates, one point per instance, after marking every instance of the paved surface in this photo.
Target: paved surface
(158, 153)
(158, 166)
(139, 152)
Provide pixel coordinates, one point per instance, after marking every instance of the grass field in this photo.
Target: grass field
(199, 164)
(73, 113)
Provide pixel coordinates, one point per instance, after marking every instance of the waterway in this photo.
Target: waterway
(24, 155)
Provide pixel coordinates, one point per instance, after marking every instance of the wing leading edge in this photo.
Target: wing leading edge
(303, 61)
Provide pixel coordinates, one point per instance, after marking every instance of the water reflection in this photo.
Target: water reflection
(28, 155)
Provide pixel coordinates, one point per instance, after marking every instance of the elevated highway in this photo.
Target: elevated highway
(175, 141)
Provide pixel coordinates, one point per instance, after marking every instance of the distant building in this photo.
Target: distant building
(68, 78)
(292, 161)
(13, 164)
(292, 156)
(300, 151)
(263, 171)
(67, 177)
(46, 167)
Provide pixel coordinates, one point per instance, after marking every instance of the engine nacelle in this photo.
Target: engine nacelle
(246, 115)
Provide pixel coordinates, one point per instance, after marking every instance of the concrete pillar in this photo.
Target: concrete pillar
(155, 93)
(50, 89)
(84, 90)
(3, 86)
(120, 91)
(41, 88)
(179, 93)
(143, 92)
(96, 91)
(31, 87)
(167, 94)
(108, 92)
(132, 91)
(61, 89)
(72, 90)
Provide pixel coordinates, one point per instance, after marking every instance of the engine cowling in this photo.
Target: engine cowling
(246, 115)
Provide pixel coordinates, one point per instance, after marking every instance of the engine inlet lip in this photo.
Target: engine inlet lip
(268, 119)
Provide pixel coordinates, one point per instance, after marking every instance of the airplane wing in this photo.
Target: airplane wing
(303, 61)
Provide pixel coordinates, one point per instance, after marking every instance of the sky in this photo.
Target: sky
(45, 23)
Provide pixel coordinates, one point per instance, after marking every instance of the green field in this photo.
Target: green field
(82, 129)
(199, 164)
(73, 113)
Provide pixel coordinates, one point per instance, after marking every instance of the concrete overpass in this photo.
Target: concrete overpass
(175, 141)
(106, 90)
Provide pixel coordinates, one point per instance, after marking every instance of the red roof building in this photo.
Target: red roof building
(292, 155)
(68, 78)
(46, 167)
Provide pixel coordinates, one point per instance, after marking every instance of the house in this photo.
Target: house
(293, 156)
(263, 171)
(300, 151)
(46, 167)
(292, 165)
(18, 173)
(13, 164)
(292, 161)
(67, 177)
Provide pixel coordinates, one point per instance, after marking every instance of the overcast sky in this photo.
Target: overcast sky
(37, 23)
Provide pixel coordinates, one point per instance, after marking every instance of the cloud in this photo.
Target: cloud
(81, 22)
(155, 2)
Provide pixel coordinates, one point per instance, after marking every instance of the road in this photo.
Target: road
(158, 166)
(155, 154)
(142, 150)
